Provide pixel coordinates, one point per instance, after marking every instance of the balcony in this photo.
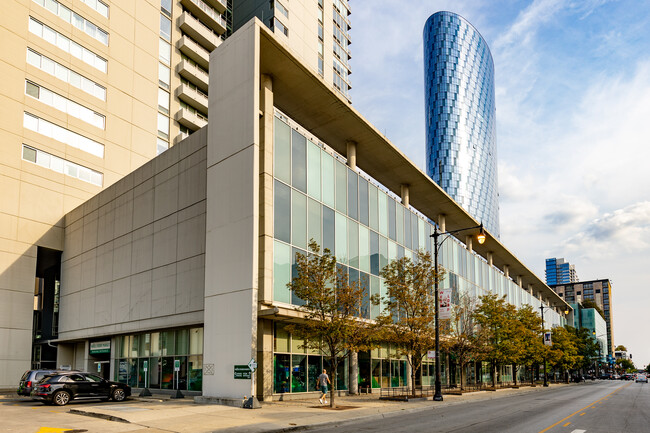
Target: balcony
(191, 120)
(199, 32)
(194, 51)
(207, 14)
(193, 74)
(192, 97)
(219, 5)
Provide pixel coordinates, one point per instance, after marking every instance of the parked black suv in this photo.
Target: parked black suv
(30, 378)
(62, 387)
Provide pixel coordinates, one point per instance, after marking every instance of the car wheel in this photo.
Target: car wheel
(119, 395)
(61, 398)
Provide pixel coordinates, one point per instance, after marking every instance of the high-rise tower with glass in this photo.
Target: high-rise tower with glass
(461, 116)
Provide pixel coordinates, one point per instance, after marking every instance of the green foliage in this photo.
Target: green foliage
(463, 338)
(331, 309)
(563, 354)
(587, 346)
(588, 303)
(625, 365)
(497, 319)
(621, 348)
(408, 319)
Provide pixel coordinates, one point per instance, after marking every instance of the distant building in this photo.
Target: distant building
(621, 354)
(460, 116)
(598, 291)
(591, 319)
(559, 271)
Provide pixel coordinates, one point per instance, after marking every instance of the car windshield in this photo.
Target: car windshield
(25, 376)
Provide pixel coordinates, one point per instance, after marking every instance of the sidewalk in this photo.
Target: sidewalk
(155, 414)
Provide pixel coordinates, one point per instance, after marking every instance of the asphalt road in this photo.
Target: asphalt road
(590, 407)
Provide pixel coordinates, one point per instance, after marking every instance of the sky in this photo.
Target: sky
(573, 128)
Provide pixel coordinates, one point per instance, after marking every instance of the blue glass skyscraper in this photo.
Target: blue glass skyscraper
(461, 116)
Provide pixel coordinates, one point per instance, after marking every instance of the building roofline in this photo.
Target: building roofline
(309, 100)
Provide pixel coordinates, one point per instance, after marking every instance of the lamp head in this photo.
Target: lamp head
(481, 235)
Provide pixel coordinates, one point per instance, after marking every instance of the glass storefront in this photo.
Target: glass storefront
(159, 350)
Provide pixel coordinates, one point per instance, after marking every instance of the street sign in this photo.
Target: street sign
(177, 365)
(145, 365)
(252, 364)
(431, 354)
(547, 339)
(242, 372)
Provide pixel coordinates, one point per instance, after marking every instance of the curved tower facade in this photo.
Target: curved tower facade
(461, 115)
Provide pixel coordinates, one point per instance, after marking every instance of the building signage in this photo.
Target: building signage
(97, 347)
(242, 372)
(445, 304)
(547, 339)
(177, 365)
(431, 354)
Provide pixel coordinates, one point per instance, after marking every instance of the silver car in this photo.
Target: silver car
(641, 378)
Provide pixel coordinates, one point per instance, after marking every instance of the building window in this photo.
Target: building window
(277, 24)
(65, 105)
(280, 7)
(98, 5)
(75, 19)
(63, 135)
(67, 45)
(63, 166)
(63, 73)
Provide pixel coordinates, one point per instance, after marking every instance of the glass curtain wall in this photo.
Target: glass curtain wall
(317, 196)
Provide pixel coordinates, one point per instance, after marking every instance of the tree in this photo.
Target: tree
(332, 309)
(588, 303)
(529, 349)
(647, 368)
(621, 348)
(563, 354)
(463, 336)
(587, 346)
(408, 319)
(497, 320)
(625, 365)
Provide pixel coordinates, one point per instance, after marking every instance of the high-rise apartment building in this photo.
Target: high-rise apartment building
(317, 31)
(90, 91)
(559, 271)
(597, 291)
(460, 115)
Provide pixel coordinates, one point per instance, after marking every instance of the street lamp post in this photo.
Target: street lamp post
(436, 248)
(542, 308)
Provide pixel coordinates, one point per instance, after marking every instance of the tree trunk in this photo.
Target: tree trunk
(413, 372)
(462, 369)
(334, 365)
(494, 374)
(514, 373)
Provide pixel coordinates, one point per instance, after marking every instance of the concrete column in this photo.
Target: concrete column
(490, 258)
(506, 271)
(265, 268)
(353, 373)
(404, 190)
(469, 243)
(352, 154)
(442, 222)
(530, 289)
(264, 360)
(520, 281)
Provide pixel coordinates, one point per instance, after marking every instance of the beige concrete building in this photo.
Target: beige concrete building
(91, 90)
(187, 259)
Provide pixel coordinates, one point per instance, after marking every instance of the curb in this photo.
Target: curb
(99, 415)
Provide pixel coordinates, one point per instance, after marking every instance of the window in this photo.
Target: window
(163, 126)
(63, 73)
(61, 41)
(165, 27)
(163, 76)
(63, 135)
(166, 6)
(276, 24)
(98, 5)
(280, 7)
(75, 19)
(164, 51)
(163, 101)
(61, 165)
(65, 105)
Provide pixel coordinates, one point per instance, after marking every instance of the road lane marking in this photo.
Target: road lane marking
(582, 413)
(567, 424)
(580, 410)
(578, 431)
